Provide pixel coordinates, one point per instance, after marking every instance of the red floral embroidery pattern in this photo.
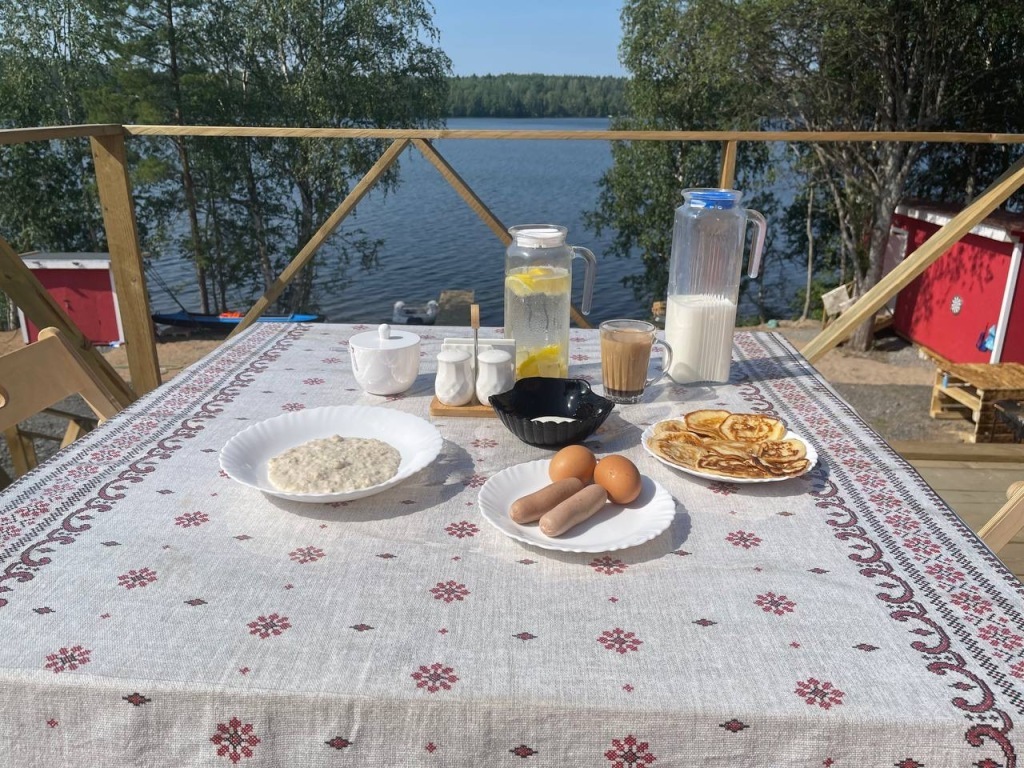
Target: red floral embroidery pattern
(136, 578)
(474, 481)
(33, 509)
(999, 636)
(824, 694)
(293, 407)
(313, 381)
(462, 529)
(743, 539)
(608, 565)
(9, 531)
(620, 641)
(338, 743)
(434, 678)
(235, 740)
(304, 555)
(484, 442)
(724, 489)
(192, 519)
(523, 751)
(628, 752)
(780, 605)
(265, 626)
(68, 659)
(450, 591)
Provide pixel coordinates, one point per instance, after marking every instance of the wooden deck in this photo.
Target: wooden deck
(973, 480)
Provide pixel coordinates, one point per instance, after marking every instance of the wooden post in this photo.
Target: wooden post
(115, 191)
(303, 256)
(25, 290)
(728, 175)
(912, 266)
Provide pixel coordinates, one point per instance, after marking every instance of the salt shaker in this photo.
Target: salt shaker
(454, 383)
(495, 373)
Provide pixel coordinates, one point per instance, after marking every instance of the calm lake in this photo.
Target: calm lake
(434, 242)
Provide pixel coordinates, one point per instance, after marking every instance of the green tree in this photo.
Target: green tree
(835, 65)
(682, 59)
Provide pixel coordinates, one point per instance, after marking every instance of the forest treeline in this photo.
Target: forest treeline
(536, 96)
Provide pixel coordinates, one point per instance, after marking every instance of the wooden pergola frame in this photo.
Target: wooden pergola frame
(114, 187)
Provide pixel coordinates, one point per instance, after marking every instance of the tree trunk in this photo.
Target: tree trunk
(256, 217)
(810, 253)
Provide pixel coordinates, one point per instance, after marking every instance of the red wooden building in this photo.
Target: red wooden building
(968, 306)
(83, 286)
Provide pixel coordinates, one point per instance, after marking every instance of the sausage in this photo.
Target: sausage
(574, 510)
(531, 508)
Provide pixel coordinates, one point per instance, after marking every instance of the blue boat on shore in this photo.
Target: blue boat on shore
(226, 320)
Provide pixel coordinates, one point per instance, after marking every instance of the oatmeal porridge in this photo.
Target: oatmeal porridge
(333, 465)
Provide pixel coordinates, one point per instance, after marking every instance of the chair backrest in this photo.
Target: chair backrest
(1008, 521)
(44, 373)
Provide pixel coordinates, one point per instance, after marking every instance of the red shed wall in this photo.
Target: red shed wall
(88, 298)
(975, 270)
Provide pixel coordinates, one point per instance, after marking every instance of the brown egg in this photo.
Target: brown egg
(620, 477)
(572, 461)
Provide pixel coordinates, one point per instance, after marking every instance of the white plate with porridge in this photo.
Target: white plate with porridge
(337, 453)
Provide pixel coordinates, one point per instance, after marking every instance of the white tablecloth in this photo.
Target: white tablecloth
(154, 612)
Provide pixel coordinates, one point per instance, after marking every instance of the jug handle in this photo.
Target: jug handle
(579, 252)
(757, 244)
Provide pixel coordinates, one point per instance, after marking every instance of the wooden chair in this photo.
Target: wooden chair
(1008, 521)
(35, 378)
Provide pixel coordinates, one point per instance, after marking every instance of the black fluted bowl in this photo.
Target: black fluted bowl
(538, 396)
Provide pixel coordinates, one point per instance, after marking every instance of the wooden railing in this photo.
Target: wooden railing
(114, 186)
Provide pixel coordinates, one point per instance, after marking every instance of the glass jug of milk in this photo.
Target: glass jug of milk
(538, 279)
(704, 281)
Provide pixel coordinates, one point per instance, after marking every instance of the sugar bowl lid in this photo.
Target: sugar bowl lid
(384, 338)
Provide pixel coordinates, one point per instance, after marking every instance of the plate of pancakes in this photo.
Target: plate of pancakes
(722, 445)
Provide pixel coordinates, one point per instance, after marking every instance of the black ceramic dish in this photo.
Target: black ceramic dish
(537, 396)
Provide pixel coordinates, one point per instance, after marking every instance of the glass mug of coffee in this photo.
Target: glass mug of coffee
(625, 358)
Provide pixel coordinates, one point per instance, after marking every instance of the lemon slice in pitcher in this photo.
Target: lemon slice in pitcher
(546, 361)
(533, 280)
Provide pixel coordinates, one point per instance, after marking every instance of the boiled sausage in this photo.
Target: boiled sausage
(574, 510)
(531, 508)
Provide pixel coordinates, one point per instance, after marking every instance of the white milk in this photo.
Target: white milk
(699, 331)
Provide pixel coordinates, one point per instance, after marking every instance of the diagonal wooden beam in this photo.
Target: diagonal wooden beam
(25, 290)
(912, 266)
(302, 258)
(465, 192)
(115, 190)
(429, 151)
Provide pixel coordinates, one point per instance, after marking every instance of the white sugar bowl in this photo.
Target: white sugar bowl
(385, 361)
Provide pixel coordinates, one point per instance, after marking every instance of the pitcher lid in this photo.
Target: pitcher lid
(538, 235)
(712, 198)
(384, 338)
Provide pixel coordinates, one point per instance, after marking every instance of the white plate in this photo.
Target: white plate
(812, 459)
(244, 457)
(615, 527)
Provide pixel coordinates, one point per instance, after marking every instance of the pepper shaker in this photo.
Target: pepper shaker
(495, 373)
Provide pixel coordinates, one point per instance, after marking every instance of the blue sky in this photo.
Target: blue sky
(553, 37)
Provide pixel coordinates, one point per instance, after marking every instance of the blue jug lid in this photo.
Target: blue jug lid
(712, 198)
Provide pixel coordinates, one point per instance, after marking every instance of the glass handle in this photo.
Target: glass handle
(757, 244)
(666, 364)
(579, 252)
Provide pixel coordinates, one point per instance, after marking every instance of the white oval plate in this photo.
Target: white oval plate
(812, 458)
(615, 527)
(244, 457)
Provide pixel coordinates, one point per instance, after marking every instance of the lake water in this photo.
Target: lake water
(434, 242)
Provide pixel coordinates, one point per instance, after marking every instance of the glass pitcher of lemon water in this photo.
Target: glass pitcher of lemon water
(538, 281)
(704, 281)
